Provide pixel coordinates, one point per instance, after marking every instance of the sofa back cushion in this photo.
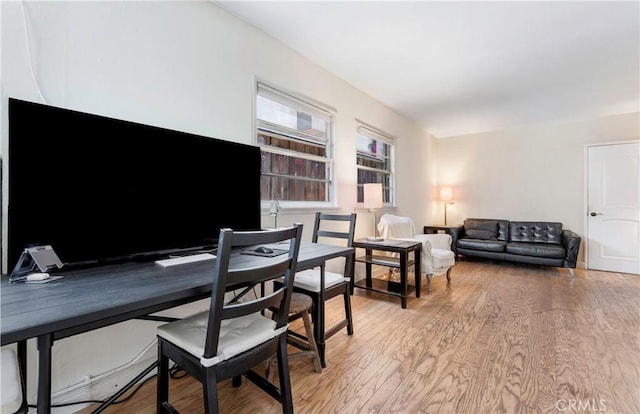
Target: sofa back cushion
(486, 229)
(536, 232)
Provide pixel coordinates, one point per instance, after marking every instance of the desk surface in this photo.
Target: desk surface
(87, 299)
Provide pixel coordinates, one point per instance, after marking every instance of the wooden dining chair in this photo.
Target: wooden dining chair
(235, 335)
(300, 308)
(322, 285)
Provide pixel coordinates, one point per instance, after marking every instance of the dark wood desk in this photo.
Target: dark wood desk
(92, 298)
(403, 262)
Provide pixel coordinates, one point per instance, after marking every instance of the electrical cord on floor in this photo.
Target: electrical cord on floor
(174, 372)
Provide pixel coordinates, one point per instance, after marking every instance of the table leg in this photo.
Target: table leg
(403, 278)
(45, 343)
(368, 273)
(417, 255)
(22, 365)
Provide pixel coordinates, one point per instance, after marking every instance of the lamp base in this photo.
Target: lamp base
(375, 239)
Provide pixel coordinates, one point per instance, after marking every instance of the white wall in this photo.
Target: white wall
(187, 66)
(190, 66)
(532, 173)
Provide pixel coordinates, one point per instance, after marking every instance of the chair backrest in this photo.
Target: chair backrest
(325, 227)
(237, 269)
(392, 226)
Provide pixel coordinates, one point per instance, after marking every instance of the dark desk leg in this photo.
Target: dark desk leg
(22, 366)
(403, 278)
(417, 253)
(319, 322)
(45, 342)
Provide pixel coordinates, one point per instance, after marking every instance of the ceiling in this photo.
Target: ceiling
(466, 67)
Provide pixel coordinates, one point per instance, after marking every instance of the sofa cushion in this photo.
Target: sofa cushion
(536, 249)
(535, 232)
(487, 245)
(481, 229)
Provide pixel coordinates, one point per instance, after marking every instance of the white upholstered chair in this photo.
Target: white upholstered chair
(437, 257)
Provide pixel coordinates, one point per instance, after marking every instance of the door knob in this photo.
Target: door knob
(595, 214)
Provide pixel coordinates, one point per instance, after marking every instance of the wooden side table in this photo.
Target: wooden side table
(404, 260)
(434, 228)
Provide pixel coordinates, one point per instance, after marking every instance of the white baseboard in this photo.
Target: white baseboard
(99, 389)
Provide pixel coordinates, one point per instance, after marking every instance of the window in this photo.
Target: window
(375, 161)
(295, 137)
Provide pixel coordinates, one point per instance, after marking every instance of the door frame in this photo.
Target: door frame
(585, 207)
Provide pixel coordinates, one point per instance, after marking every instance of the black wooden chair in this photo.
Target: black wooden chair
(322, 285)
(234, 335)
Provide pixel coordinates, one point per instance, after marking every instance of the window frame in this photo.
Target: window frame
(369, 131)
(266, 128)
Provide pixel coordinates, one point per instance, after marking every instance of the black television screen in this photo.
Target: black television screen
(99, 189)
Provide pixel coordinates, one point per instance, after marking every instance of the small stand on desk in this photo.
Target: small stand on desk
(41, 257)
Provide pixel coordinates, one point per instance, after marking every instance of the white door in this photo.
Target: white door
(613, 211)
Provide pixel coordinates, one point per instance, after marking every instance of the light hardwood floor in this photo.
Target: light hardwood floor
(501, 338)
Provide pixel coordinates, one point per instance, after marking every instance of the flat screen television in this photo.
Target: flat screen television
(99, 189)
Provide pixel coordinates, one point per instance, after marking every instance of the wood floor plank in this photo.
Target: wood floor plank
(500, 338)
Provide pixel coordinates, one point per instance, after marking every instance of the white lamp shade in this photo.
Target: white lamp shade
(446, 193)
(373, 195)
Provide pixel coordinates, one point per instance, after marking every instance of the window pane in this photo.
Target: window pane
(291, 144)
(290, 118)
(291, 178)
(373, 161)
(294, 136)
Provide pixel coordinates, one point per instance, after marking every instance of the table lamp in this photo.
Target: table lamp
(446, 195)
(372, 201)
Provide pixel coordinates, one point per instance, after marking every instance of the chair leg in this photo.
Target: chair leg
(283, 372)
(318, 326)
(271, 365)
(347, 311)
(429, 276)
(210, 389)
(162, 385)
(308, 329)
(448, 275)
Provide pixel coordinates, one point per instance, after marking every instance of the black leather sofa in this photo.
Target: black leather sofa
(533, 242)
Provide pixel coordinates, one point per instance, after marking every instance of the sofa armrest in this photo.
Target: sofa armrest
(455, 233)
(571, 242)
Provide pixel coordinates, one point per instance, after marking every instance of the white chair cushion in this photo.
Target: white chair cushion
(11, 394)
(236, 335)
(310, 279)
